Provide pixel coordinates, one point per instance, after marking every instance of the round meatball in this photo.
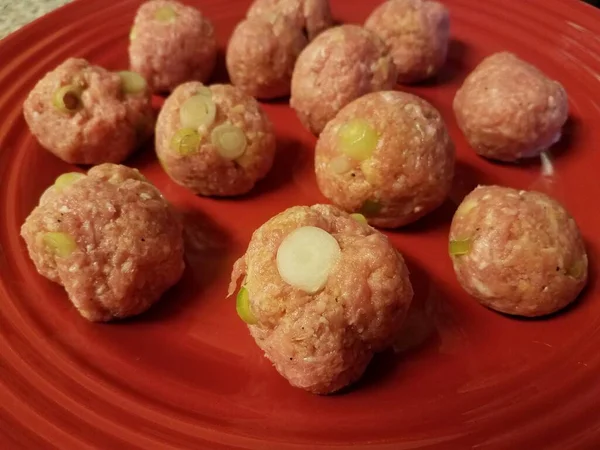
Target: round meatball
(321, 340)
(261, 55)
(508, 109)
(388, 156)
(517, 252)
(215, 141)
(110, 238)
(312, 16)
(340, 65)
(85, 114)
(417, 32)
(171, 43)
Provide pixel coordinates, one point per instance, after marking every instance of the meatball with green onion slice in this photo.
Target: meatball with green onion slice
(517, 252)
(109, 237)
(171, 43)
(215, 141)
(322, 291)
(85, 114)
(387, 156)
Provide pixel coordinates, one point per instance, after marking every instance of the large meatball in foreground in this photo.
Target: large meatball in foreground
(110, 238)
(388, 156)
(321, 293)
(171, 43)
(261, 55)
(508, 109)
(417, 32)
(517, 252)
(340, 65)
(311, 16)
(214, 140)
(85, 114)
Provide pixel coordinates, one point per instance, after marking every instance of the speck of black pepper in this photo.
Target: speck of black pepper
(352, 174)
(143, 240)
(291, 359)
(557, 268)
(477, 229)
(58, 220)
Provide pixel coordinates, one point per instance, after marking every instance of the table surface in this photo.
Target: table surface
(16, 13)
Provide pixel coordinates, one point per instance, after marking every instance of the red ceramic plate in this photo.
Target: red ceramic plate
(187, 374)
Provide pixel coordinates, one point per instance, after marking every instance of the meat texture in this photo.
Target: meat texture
(518, 252)
(324, 341)
(110, 238)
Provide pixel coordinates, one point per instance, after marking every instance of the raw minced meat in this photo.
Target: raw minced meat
(518, 252)
(311, 16)
(338, 66)
(406, 166)
(417, 32)
(104, 124)
(508, 109)
(203, 169)
(171, 43)
(324, 341)
(110, 238)
(261, 55)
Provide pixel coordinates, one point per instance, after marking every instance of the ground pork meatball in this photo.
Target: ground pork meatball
(171, 43)
(508, 109)
(110, 238)
(517, 252)
(261, 55)
(340, 65)
(322, 292)
(417, 32)
(214, 140)
(85, 114)
(388, 156)
(312, 16)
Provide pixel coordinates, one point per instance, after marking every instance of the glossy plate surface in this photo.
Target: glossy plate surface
(187, 374)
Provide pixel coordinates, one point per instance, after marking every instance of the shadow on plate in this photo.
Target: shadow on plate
(454, 67)
(143, 157)
(220, 74)
(283, 100)
(430, 327)
(466, 178)
(290, 157)
(206, 256)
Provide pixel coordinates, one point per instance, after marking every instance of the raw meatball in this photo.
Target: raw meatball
(171, 43)
(388, 156)
(517, 252)
(340, 65)
(110, 238)
(353, 296)
(261, 55)
(85, 114)
(508, 109)
(417, 32)
(312, 16)
(214, 141)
